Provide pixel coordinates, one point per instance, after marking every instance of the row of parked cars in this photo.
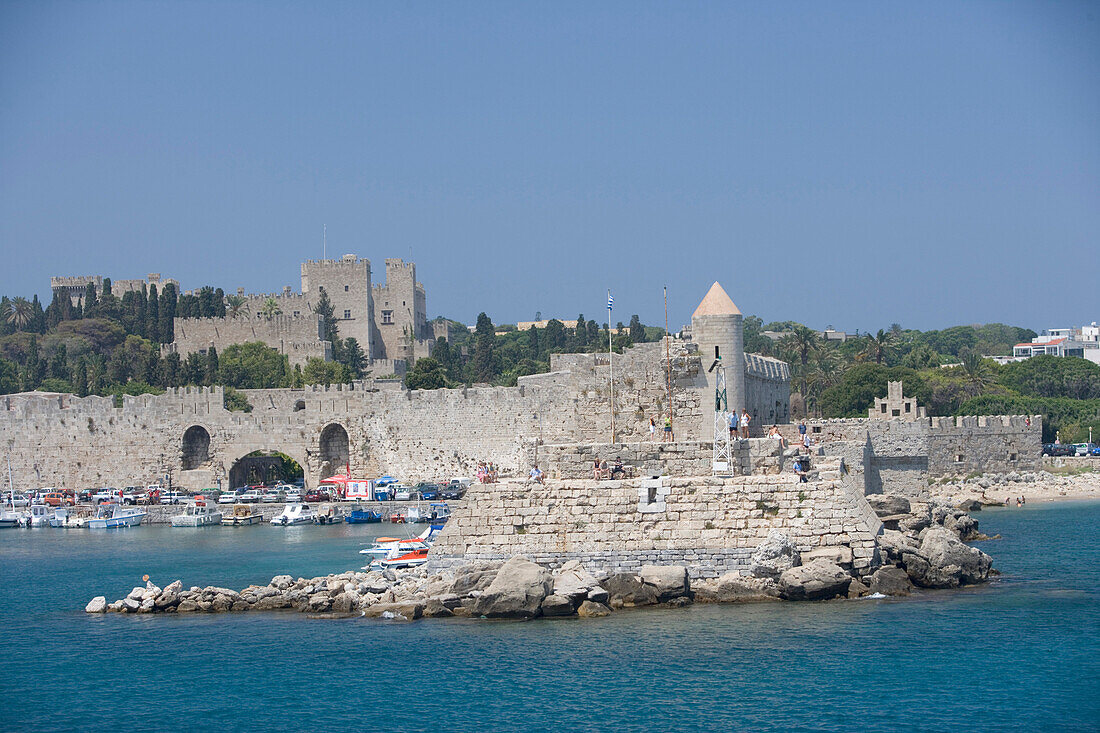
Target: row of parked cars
(1072, 449)
(388, 488)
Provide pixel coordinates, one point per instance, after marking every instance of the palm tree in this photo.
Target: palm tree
(979, 374)
(880, 346)
(270, 308)
(801, 342)
(238, 305)
(18, 312)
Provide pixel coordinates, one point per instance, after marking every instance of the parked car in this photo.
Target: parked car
(425, 490)
(1081, 449)
(315, 495)
(276, 493)
(1059, 449)
(293, 497)
(105, 494)
(252, 496)
(227, 497)
(1094, 450)
(17, 500)
(453, 492)
(58, 498)
(173, 497)
(400, 492)
(129, 498)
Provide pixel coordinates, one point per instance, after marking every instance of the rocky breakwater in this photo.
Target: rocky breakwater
(925, 543)
(923, 546)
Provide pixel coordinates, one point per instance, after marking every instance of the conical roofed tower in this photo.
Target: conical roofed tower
(717, 327)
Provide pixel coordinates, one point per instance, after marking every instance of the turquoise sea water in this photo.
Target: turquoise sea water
(1019, 653)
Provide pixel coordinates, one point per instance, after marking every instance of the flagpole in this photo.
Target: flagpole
(610, 367)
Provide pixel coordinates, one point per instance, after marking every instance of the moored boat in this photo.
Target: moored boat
(243, 514)
(111, 516)
(198, 513)
(400, 557)
(39, 515)
(329, 514)
(65, 518)
(363, 516)
(294, 513)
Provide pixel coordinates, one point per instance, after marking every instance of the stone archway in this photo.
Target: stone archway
(196, 448)
(335, 449)
(264, 467)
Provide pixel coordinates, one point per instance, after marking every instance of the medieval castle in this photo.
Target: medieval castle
(388, 320)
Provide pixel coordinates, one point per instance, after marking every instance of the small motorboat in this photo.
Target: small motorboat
(329, 514)
(243, 514)
(437, 513)
(10, 518)
(363, 516)
(111, 515)
(39, 515)
(295, 513)
(65, 518)
(400, 557)
(198, 513)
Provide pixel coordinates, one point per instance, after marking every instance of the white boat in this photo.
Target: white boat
(65, 518)
(385, 546)
(242, 515)
(295, 513)
(39, 515)
(111, 516)
(198, 513)
(399, 556)
(329, 514)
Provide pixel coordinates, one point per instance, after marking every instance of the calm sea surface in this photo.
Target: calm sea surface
(1020, 653)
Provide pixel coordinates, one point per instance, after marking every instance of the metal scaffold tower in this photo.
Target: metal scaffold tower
(723, 455)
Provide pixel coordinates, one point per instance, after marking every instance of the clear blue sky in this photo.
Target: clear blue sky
(851, 164)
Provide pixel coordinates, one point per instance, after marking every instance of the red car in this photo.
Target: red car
(317, 495)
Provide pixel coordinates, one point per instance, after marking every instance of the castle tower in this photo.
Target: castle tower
(348, 284)
(716, 326)
(401, 308)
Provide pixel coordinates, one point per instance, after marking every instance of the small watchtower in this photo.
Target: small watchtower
(895, 406)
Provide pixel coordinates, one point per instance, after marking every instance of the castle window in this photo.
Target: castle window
(958, 458)
(345, 288)
(387, 316)
(895, 413)
(883, 408)
(907, 406)
(347, 314)
(297, 313)
(1012, 456)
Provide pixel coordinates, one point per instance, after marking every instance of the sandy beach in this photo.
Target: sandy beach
(1040, 486)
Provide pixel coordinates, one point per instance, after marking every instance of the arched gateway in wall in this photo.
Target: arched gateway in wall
(335, 449)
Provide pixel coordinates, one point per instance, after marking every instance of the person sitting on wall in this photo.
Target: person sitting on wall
(604, 473)
(536, 475)
(773, 432)
(596, 469)
(618, 469)
(800, 468)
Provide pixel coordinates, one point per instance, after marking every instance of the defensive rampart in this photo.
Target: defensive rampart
(708, 524)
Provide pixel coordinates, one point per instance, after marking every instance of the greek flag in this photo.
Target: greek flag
(610, 300)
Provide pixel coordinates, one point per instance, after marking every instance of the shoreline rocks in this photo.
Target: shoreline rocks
(924, 548)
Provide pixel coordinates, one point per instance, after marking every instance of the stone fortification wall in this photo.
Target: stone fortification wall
(899, 456)
(710, 525)
(690, 458)
(298, 337)
(376, 425)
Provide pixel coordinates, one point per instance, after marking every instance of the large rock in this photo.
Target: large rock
(573, 581)
(944, 561)
(435, 608)
(517, 591)
(737, 588)
(894, 544)
(591, 609)
(669, 581)
(96, 605)
(557, 605)
(817, 581)
(887, 505)
(627, 590)
(405, 611)
(774, 555)
(166, 599)
(473, 577)
(891, 580)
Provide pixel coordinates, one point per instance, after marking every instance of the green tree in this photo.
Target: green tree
(1053, 376)
(18, 312)
(59, 363)
(319, 371)
(427, 373)
(236, 306)
(252, 365)
(554, 336)
(210, 373)
(353, 358)
(328, 319)
(637, 330)
(91, 302)
(270, 308)
(80, 377)
(484, 345)
(857, 389)
(880, 347)
(152, 315)
(168, 303)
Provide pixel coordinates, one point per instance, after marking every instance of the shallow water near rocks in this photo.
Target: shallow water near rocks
(1021, 652)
